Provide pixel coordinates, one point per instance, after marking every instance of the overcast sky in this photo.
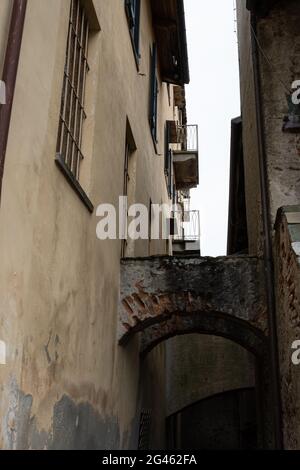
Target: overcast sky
(212, 101)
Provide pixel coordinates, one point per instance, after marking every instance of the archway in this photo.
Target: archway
(163, 297)
(153, 290)
(203, 322)
(238, 331)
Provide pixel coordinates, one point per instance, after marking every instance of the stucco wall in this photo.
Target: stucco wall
(66, 382)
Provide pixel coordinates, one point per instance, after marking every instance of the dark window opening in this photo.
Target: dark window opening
(129, 181)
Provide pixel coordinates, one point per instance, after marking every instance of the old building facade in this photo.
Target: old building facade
(121, 343)
(96, 86)
(264, 208)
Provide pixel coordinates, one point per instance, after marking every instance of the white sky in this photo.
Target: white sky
(212, 101)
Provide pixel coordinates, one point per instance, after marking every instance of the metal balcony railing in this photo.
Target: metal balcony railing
(188, 138)
(187, 226)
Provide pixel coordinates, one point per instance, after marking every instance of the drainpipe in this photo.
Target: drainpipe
(9, 75)
(268, 251)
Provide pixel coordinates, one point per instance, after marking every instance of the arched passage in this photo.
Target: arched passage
(223, 421)
(238, 331)
(213, 323)
(163, 297)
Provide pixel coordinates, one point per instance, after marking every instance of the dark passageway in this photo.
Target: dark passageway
(223, 422)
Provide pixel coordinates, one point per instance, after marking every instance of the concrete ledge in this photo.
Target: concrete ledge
(292, 216)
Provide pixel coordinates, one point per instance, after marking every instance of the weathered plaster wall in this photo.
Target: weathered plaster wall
(288, 318)
(199, 366)
(66, 382)
(279, 39)
(279, 36)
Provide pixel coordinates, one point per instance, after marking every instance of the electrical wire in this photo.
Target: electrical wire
(287, 88)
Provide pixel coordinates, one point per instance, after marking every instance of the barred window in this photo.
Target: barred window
(72, 113)
(144, 432)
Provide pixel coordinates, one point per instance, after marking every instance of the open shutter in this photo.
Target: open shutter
(130, 7)
(137, 14)
(153, 92)
(167, 146)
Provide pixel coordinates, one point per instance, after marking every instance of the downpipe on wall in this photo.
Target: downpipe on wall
(268, 251)
(9, 75)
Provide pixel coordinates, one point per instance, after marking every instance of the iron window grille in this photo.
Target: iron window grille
(73, 113)
(144, 432)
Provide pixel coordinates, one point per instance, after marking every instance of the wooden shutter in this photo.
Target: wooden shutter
(153, 93)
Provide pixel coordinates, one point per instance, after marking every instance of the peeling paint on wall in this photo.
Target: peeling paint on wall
(74, 426)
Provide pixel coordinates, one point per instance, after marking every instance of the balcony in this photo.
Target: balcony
(186, 158)
(186, 239)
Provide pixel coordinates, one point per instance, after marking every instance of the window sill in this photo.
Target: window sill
(290, 126)
(74, 183)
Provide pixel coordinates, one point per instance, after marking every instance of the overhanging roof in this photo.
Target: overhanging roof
(261, 7)
(169, 25)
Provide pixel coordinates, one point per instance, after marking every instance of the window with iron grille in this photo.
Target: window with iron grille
(153, 93)
(133, 12)
(73, 113)
(144, 433)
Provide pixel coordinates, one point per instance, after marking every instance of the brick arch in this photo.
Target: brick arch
(208, 323)
(154, 290)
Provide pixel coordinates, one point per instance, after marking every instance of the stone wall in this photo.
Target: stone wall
(288, 318)
(278, 40)
(279, 37)
(154, 290)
